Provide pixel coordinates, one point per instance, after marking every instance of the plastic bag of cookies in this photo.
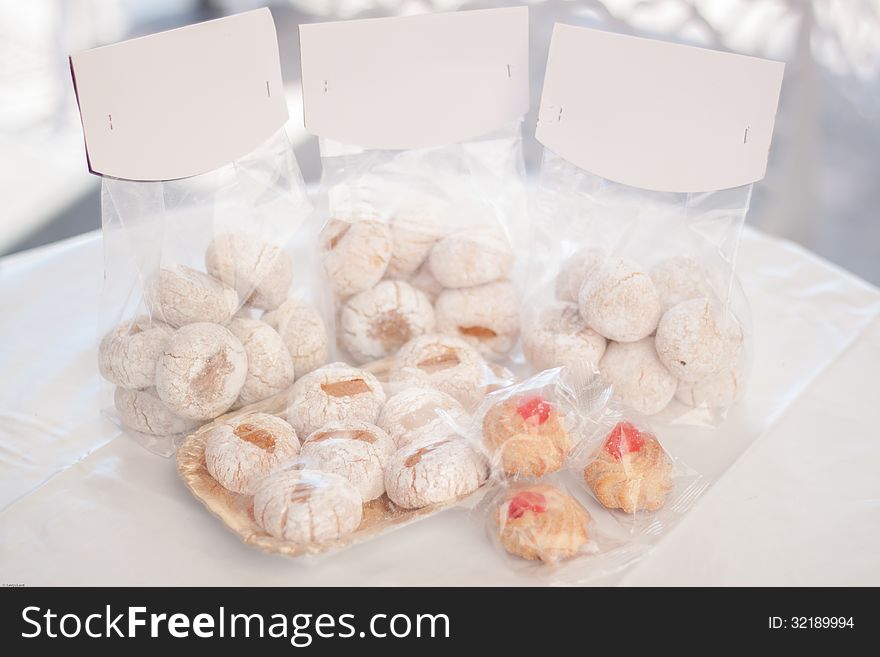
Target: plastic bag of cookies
(637, 217)
(422, 206)
(205, 305)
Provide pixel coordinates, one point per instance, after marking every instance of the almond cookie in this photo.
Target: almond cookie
(128, 354)
(414, 230)
(637, 376)
(485, 316)
(259, 271)
(334, 393)
(716, 391)
(143, 411)
(418, 414)
(557, 336)
(202, 371)
(619, 301)
(576, 269)
(270, 367)
(179, 295)
(378, 321)
(698, 338)
(630, 471)
(241, 453)
(358, 451)
(526, 435)
(679, 279)
(433, 472)
(307, 507)
(443, 362)
(471, 257)
(303, 330)
(540, 521)
(356, 254)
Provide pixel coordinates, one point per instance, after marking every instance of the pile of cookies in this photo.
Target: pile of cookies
(530, 434)
(655, 334)
(420, 272)
(342, 446)
(201, 351)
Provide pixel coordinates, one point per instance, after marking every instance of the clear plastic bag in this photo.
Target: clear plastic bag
(421, 241)
(641, 284)
(207, 302)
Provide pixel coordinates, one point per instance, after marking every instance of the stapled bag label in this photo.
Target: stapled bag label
(415, 81)
(181, 103)
(657, 115)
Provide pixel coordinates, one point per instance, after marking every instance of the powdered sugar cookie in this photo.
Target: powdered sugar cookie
(619, 301)
(637, 376)
(485, 316)
(241, 453)
(679, 279)
(304, 333)
(444, 362)
(697, 339)
(201, 372)
(259, 271)
(527, 436)
(716, 391)
(414, 230)
(630, 471)
(434, 472)
(143, 411)
(270, 367)
(179, 295)
(128, 354)
(471, 257)
(558, 336)
(539, 521)
(378, 321)
(576, 269)
(419, 414)
(356, 254)
(334, 393)
(307, 507)
(358, 451)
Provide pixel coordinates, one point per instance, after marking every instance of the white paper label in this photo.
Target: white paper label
(415, 81)
(657, 115)
(181, 103)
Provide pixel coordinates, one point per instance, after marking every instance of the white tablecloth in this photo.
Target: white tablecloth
(800, 504)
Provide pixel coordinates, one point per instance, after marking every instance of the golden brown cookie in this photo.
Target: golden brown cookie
(630, 471)
(526, 435)
(542, 522)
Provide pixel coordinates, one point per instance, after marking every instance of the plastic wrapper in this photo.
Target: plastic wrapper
(641, 284)
(206, 304)
(422, 241)
(629, 472)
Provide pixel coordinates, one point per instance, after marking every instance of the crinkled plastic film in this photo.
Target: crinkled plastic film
(228, 243)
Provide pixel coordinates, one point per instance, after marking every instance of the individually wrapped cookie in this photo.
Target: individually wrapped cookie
(422, 199)
(207, 302)
(625, 467)
(637, 216)
(530, 428)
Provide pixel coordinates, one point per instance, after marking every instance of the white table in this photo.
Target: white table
(81, 504)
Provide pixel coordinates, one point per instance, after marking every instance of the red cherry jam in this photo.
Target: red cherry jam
(534, 409)
(526, 501)
(624, 438)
